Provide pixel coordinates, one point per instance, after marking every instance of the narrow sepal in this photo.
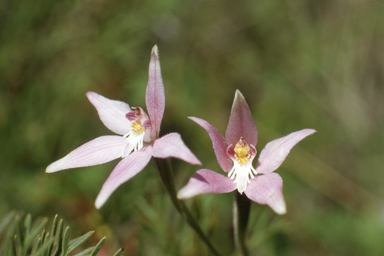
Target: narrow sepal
(206, 181)
(241, 123)
(171, 145)
(111, 112)
(97, 151)
(126, 169)
(267, 189)
(218, 142)
(275, 152)
(155, 97)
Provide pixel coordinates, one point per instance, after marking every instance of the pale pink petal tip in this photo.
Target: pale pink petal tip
(279, 207)
(155, 51)
(53, 167)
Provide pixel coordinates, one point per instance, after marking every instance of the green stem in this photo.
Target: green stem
(164, 167)
(241, 209)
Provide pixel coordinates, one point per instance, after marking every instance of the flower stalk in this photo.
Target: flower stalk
(241, 210)
(164, 168)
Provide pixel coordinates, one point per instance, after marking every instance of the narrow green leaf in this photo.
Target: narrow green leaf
(37, 227)
(85, 252)
(53, 232)
(18, 242)
(36, 245)
(46, 240)
(74, 243)
(13, 247)
(64, 245)
(44, 247)
(54, 224)
(98, 247)
(28, 223)
(48, 236)
(119, 252)
(59, 238)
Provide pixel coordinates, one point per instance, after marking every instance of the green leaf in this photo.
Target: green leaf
(13, 246)
(28, 223)
(22, 231)
(37, 245)
(44, 247)
(59, 237)
(74, 243)
(64, 245)
(119, 252)
(37, 227)
(18, 239)
(98, 247)
(54, 224)
(85, 252)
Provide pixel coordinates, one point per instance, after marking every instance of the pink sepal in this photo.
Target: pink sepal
(111, 112)
(241, 123)
(275, 152)
(206, 181)
(218, 142)
(126, 169)
(154, 96)
(97, 151)
(171, 145)
(267, 189)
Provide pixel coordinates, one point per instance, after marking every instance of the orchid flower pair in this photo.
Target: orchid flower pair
(139, 141)
(139, 136)
(235, 154)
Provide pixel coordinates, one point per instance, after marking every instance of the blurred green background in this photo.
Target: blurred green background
(300, 64)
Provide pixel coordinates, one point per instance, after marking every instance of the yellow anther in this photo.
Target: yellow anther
(137, 127)
(242, 154)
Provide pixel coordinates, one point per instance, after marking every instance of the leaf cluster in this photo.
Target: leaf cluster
(19, 235)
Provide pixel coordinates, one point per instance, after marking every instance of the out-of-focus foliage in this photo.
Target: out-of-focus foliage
(20, 236)
(300, 64)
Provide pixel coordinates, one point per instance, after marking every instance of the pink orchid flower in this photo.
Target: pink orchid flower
(235, 154)
(139, 141)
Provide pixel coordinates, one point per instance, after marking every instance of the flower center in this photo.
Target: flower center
(137, 127)
(242, 154)
(242, 171)
(134, 138)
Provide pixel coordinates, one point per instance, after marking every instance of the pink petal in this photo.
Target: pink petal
(241, 123)
(126, 169)
(206, 181)
(155, 97)
(171, 145)
(275, 152)
(111, 112)
(98, 151)
(267, 189)
(219, 144)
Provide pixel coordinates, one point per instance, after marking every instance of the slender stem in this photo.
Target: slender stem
(164, 167)
(241, 209)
